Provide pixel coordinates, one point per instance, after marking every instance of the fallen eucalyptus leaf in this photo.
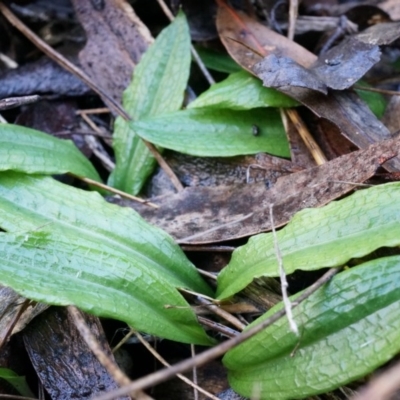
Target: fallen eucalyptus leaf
(339, 68)
(343, 108)
(27, 150)
(202, 215)
(216, 132)
(83, 242)
(348, 328)
(318, 238)
(157, 87)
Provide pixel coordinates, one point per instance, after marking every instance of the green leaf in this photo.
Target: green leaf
(131, 267)
(157, 87)
(18, 382)
(318, 238)
(217, 61)
(216, 133)
(242, 91)
(27, 150)
(375, 101)
(348, 328)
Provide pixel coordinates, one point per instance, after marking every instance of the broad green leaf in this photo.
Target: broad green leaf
(18, 382)
(242, 91)
(318, 238)
(84, 223)
(218, 61)
(157, 87)
(216, 133)
(68, 270)
(27, 150)
(348, 328)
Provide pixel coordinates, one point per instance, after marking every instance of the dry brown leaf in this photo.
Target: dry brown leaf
(213, 214)
(345, 109)
(116, 39)
(339, 68)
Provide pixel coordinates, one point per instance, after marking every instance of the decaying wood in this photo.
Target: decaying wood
(76, 373)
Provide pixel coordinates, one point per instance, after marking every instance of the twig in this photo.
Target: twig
(377, 90)
(196, 235)
(293, 11)
(163, 164)
(61, 60)
(12, 102)
(284, 283)
(195, 54)
(116, 191)
(309, 141)
(217, 351)
(194, 373)
(221, 313)
(110, 365)
(162, 360)
(111, 103)
(217, 327)
(100, 110)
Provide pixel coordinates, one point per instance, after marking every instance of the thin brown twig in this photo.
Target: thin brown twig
(116, 191)
(221, 313)
(164, 362)
(293, 11)
(377, 90)
(217, 351)
(111, 103)
(195, 54)
(109, 364)
(100, 110)
(61, 60)
(11, 102)
(309, 141)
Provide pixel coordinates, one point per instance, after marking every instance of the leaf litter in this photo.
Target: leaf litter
(207, 215)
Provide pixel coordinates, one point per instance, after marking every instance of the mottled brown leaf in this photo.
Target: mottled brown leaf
(116, 39)
(339, 68)
(345, 109)
(215, 214)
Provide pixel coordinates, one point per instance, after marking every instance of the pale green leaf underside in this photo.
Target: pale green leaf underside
(157, 87)
(27, 150)
(318, 238)
(348, 328)
(216, 133)
(83, 220)
(242, 91)
(64, 270)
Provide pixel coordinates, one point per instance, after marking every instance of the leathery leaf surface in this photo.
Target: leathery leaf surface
(212, 132)
(68, 246)
(28, 150)
(316, 238)
(348, 328)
